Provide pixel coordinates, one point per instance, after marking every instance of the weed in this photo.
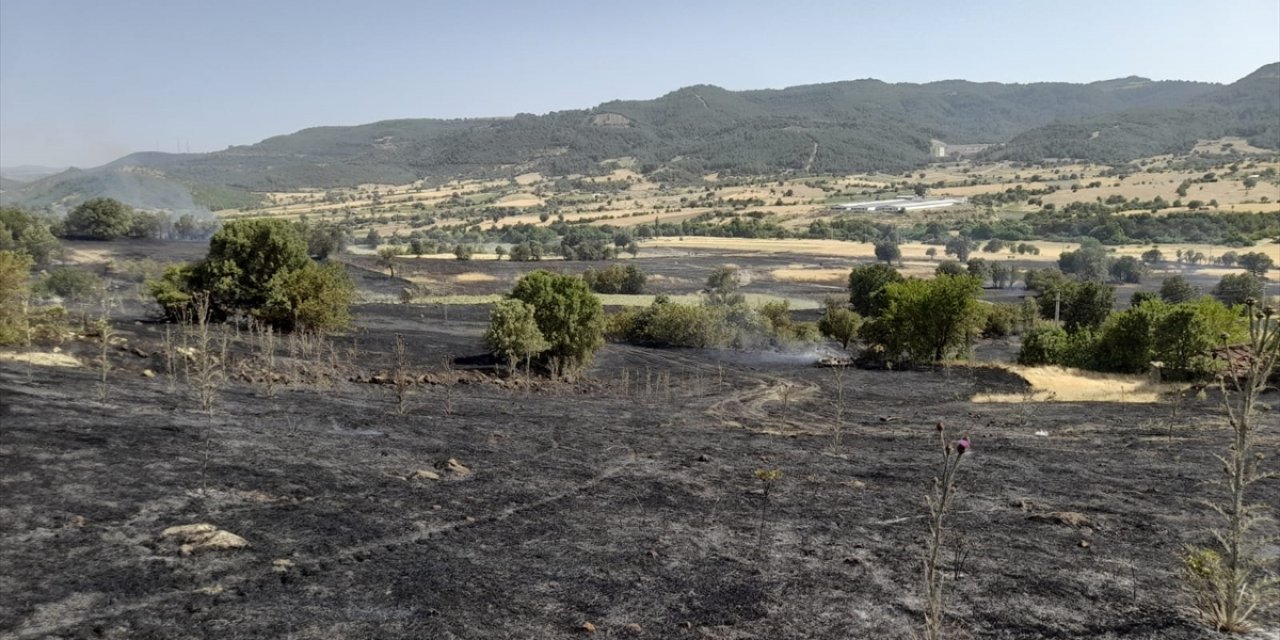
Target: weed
(1228, 585)
(939, 501)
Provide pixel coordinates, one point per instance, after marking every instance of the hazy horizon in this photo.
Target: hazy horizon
(84, 83)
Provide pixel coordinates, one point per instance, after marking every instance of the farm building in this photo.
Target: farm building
(869, 205)
(920, 205)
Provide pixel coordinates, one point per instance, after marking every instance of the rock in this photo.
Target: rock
(587, 627)
(456, 468)
(423, 474)
(139, 352)
(202, 537)
(281, 565)
(704, 458)
(1067, 518)
(634, 629)
(147, 373)
(1084, 544)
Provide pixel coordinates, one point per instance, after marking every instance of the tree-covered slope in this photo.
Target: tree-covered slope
(838, 127)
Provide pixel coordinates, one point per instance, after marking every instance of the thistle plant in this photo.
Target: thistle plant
(939, 501)
(1230, 583)
(767, 477)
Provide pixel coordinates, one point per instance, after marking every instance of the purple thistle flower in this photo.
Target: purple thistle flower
(962, 445)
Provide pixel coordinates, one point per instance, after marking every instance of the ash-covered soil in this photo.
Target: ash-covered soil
(627, 500)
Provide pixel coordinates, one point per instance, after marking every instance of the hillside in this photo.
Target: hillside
(1248, 108)
(841, 127)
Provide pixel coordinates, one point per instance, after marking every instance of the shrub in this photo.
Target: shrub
(72, 284)
(615, 279)
(950, 268)
(1043, 345)
(888, 251)
(1002, 320)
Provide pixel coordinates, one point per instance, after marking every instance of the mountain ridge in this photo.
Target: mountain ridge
(836, 127)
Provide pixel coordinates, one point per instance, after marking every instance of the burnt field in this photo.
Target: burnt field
(627, 500)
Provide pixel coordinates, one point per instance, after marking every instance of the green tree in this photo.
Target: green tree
(979, 268)
(260, 268)
(99, 219)
(1176, 289)
(387, 258)
(1127, 269)
(1087, 305)
(950, 268)
(570, 317)
(928, 320)
(1152, 256)
(865, 285)
(615, 279)
(1256, 263)
(1184, 337)
(313, 298)
(840, 324)
(462, 252)
(1235, 288)
(1043, 345)
(513, 333)
(888, 251)
(1089, 262)
(960, 247)
(244, 256)
(26, 233)
(14, 269)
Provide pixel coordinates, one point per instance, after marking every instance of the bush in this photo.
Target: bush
(1004, 319)
(1043, 345)
(72, 284)
(615, 279)
(950, 268)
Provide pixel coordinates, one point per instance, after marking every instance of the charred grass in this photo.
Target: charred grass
(625, 499)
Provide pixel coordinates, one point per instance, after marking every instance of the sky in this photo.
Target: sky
(83, 82)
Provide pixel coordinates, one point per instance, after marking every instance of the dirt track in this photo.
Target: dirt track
(627, 499)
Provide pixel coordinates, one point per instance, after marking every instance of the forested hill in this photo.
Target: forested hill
(1248, 108)
(838, 127)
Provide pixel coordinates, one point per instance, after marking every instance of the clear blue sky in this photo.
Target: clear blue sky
(85, 81)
